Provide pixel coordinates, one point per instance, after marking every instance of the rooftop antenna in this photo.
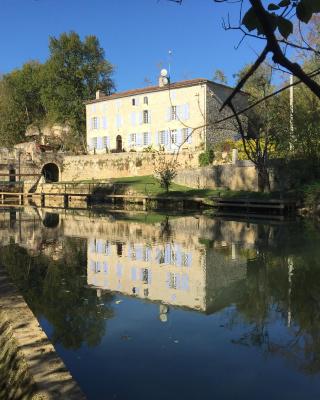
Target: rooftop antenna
(169, 61)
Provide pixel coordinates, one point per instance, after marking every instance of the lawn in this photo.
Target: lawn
(151, 186)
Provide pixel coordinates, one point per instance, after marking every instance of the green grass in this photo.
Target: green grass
(150, 186)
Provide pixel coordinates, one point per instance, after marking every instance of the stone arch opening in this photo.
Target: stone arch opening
(50, 172)
(51, 220)
(119, 144)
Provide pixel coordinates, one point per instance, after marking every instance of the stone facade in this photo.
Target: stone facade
(169, 117)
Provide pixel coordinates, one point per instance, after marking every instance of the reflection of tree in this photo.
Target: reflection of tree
(57, 291)
(269, 296)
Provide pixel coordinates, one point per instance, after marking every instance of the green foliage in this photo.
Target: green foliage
(20, 103)
(220, 77)
(304, 10)
(72, 74)
(40, 95)
(311, 195)
(206, 158)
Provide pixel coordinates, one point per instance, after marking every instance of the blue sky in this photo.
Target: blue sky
(136, 36)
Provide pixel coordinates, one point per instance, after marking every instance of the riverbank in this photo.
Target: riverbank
(30, 367)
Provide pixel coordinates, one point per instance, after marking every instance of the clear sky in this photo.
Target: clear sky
(136, 35)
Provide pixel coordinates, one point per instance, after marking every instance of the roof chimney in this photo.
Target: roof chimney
(99, 94)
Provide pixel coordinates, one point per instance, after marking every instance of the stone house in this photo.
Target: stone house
(170, 116)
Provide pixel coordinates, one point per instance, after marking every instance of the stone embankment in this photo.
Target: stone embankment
(29, 365)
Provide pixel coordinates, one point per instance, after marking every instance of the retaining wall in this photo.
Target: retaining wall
(105, 166)
(242, 176)
(30, 365)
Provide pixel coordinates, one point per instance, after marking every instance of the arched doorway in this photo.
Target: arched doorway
(51, 220)
(119, 144)
(50, 172)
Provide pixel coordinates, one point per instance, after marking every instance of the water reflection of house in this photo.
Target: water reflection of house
(179, 270)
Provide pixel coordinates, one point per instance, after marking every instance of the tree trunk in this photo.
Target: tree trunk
(263, 179)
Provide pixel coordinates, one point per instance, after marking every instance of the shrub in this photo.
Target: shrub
(206, 158)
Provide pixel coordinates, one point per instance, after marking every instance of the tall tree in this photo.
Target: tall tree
(72, 74)
(20, 102)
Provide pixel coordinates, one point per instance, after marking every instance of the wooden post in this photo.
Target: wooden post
(43, 202)
(144, 204)
(66, 201)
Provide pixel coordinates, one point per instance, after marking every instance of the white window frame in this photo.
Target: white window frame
(145, 116)
(174, 115)
(133, 139)
(95, 122)
(173, 136)
(145, 137)
(162, 138)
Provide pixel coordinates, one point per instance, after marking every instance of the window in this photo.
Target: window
(133, 138)
(94, 123)
(133, 102)
(185, 135)
(145, 275)
(162, 138)
(172, 281)
(94, 142)
(145, 100)
(105, 141)
(145, 138)
(173, 112)
(174, 136)
(146, 292)
(145, 116)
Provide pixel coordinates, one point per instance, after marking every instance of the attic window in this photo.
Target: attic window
(133, 102)
(145, 100)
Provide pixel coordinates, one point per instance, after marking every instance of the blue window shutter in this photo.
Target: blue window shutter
(168, 115)
(157, 141)
(108, 142)
(149, 139)
(149, 116)
(190, 133)
(129, 140)
(186, 111)
(179, 137)
(149, 276)
(99, 143)
(98, 125)
(134, 273)
(179, 112)
(140, 118)
(168, 141)
(133, 118)
(137, 101)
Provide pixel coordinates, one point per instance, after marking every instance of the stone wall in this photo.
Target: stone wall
(242, 176)
(106, 166)
(31, 367)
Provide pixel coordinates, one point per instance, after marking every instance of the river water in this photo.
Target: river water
(172, 307)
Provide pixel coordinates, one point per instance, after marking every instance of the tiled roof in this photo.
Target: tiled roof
(149, 89)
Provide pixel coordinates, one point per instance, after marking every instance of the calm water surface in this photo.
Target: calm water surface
(156, 307)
